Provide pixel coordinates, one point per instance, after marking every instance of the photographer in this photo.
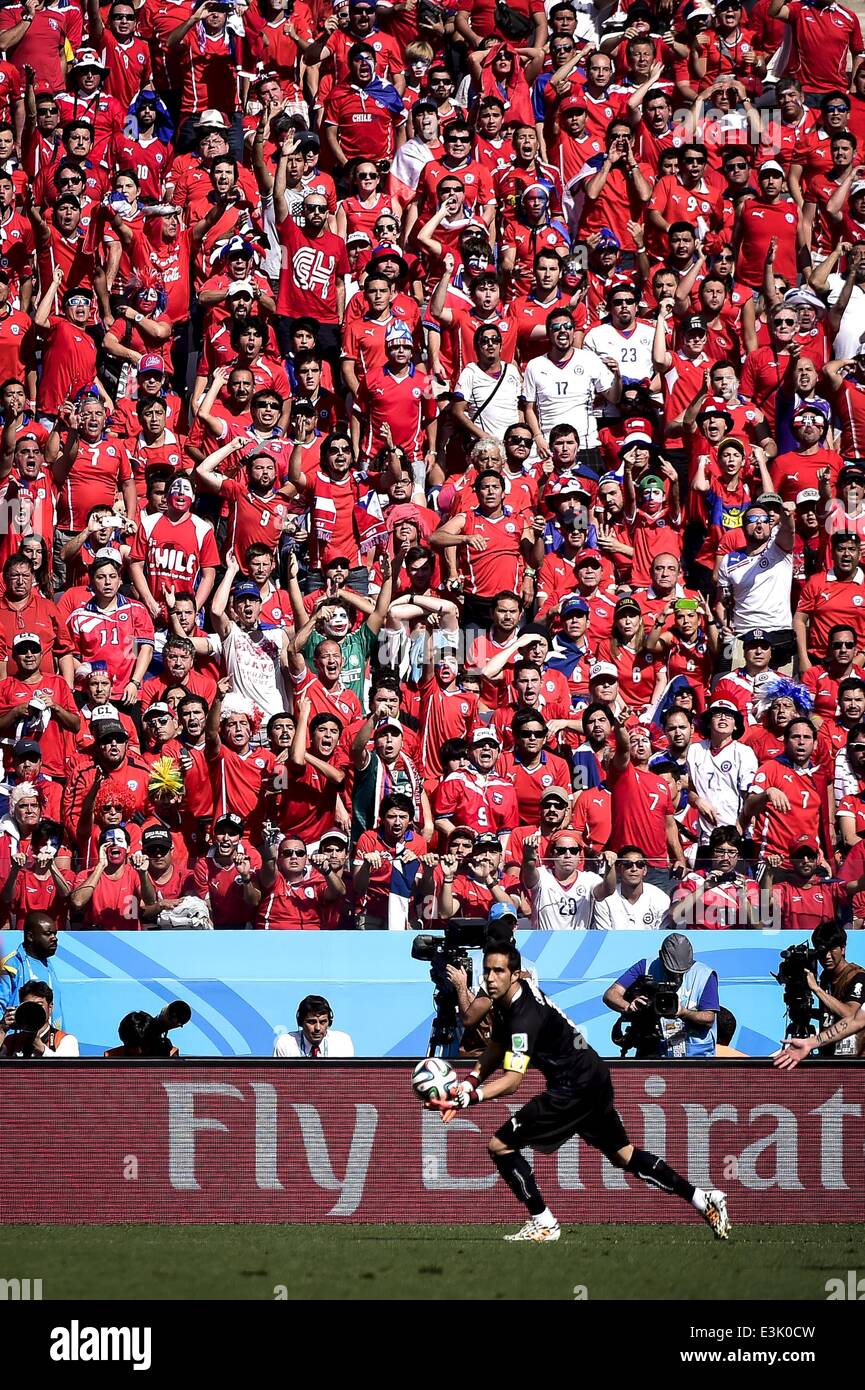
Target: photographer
(841, 990)
(142, 1035)
(690, 1031)
(718, 896)
(35, 1034)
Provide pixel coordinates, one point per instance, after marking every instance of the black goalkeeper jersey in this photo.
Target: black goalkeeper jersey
(532, 1030)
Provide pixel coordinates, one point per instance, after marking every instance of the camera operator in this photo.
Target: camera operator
(29, 1031)
(841, 989)
(474, 1009)
(142, 1035)
(691, 1030)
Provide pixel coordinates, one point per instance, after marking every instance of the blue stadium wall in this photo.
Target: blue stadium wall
(244, 987)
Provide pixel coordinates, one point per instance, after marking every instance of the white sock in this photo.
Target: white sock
(699, 1200)
(546, 1218)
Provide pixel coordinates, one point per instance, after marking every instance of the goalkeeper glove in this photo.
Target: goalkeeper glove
(465, 1093)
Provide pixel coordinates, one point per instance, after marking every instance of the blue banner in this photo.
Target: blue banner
(244, 987)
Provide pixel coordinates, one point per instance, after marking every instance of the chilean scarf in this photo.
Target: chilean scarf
(369, 519)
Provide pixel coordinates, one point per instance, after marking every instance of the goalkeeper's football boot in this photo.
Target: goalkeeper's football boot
(533, 1230)
(715, 1215)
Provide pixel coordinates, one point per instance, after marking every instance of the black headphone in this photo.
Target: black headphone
(314, 1004)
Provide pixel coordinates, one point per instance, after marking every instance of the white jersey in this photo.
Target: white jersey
(476, 387)
(852, 324)
(557, 908)
(759, 586)
(564, 393)
(722, 779)
(845, 782)
(633, 350)
(253, 664)
(649, 912)
(296, 1044)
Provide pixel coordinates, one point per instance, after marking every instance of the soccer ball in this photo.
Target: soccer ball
(432, 1079)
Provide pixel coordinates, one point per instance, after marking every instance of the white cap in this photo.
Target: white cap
(212, 118)
(240, 287)
(603, 668)
(858, 186)
(808, 494)
(487, 734)
(772, 164)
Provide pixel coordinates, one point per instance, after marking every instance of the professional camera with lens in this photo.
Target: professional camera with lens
(642, 1031)
(142, 1035)
(30, 1017)
(795, 963)
(461, 935)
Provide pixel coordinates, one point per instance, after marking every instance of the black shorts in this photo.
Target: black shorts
(548, 1121)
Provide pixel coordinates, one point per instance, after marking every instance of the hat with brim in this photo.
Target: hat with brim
(603, 671)
(387, 253)
(722, 707)
(555, 794)
(109, 729)
(676, 953)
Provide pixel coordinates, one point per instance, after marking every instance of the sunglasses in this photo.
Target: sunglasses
(565, 849)
(785, 323)
(293, 853)
(839, 646)
(634, 863)
(531, 733)
(756, 520)
(521, 439)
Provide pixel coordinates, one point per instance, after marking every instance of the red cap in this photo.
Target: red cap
(589, 553)
(574, 102)
(151, 362)
(637, 427)
(804, 842)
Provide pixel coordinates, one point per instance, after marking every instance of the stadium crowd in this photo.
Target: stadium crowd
(432, 463)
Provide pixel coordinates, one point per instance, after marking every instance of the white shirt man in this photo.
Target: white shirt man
(493, 401)
(314, 1036)
(252, 661)
(648, 911)
(297, 1044)
(852, 325)
(559, 907)
(722, 779)
(632, 350)
(759, 586)
(564, 392)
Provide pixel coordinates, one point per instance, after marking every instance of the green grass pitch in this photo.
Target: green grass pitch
(394, 1262)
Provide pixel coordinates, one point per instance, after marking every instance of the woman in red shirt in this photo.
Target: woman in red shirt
(109, 894)
(360, 211)
(640, 673)
(687, 648)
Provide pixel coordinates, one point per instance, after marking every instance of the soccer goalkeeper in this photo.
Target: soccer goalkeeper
(579, 1099)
